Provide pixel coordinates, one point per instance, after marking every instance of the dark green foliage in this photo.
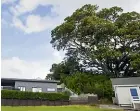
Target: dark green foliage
(49, 77)
(67, 93)
(88, 83)
(66, 67)
(9, 94)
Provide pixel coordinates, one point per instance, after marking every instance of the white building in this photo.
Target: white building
(127, 90)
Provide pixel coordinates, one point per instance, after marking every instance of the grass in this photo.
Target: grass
(54, 108)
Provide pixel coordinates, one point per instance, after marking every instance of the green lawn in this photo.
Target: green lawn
(53, 108)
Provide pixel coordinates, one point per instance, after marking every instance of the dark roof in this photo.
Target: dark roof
(125, 81)
(29, 80)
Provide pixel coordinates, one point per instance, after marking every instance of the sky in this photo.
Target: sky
(26, 27)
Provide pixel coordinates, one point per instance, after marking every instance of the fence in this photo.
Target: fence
(16, 102)
(84, 100)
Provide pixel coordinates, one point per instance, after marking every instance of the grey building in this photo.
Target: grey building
(33, 85)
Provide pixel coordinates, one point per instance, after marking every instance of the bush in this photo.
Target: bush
(104, 90)
(67, 93)
(10, 94)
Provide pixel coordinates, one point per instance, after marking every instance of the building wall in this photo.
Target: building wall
(29, 85)
(123, 95)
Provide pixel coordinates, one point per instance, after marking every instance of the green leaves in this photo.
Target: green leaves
(110, 14)
(86, 83)
(9, 94)
(65, 68)
(105, 38)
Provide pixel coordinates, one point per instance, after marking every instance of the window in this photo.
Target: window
(50, 89)
(35, 89)
(134, 93)
(21, 88)
(1, 87)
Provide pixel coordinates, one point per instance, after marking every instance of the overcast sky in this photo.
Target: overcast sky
(26, 28)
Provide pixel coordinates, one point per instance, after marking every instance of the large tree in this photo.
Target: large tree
(107, 40)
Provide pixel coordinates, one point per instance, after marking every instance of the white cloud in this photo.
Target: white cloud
(36, 23)
(17, 23)
(27, 6)
(18, 68)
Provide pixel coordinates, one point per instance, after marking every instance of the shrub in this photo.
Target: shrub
(10, 94)
(67, 93)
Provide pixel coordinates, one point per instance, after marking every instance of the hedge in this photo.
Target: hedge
(10, 94)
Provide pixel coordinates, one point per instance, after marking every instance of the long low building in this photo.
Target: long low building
(33, 85)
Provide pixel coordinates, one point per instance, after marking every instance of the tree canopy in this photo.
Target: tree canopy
(106, 40)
